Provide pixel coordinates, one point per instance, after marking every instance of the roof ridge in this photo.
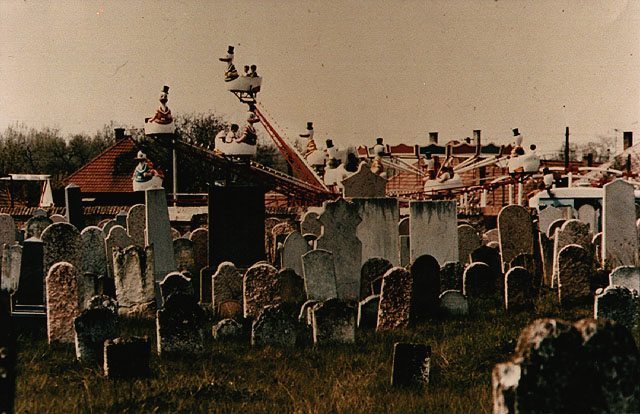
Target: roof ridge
(66, 181)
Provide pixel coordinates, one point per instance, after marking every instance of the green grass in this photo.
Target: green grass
(239, 378)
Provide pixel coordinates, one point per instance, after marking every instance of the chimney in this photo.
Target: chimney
(477, 140)
(627, 139)
(589, 158)
(433, 137)
(119, 133)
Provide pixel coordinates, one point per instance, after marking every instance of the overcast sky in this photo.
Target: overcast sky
(358, 69)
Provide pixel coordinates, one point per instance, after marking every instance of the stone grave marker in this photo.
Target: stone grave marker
(36, 225)
(340, 220)
(619, 304)
(179, 325)
(116, 238)
(319, 275)
(310, 224)
(555, 225)
(468, 241)
(136, 222)
(108, 224)
(451, 276)
(574, 272)
(403, 226)
(294, 247)
(546, 253)
(200, 239)
(589, 215)
(368, 312)
(7, 229)
(516, 233)
(158, 233)
(11, 260)
(227, 288)
(275, 326)
(175, 282)
(227, 330)
(134, 280)
(490, 236)
(62, 301)
(571, 232)
(490, 257)
(372, 270)
(175, 233)
(279, 233)
(596, 242)
(429, 220)
(259, 289)
(121, 219)
(31, 285)
(627, 276)
(290, 288)
(518, 289)
(184, 255)
(73, 203)
(93, 327)
(411, 365)
(395, 300)
(529, 262)
(619, 235)
(94, 258)
(333, 321)
(62, 243)
(454, 303)
(58, 218)
(425, 277)
(479, 281)
(364, 183)
(304, 317)
(127, 357)
(378, 230)
(548, 215)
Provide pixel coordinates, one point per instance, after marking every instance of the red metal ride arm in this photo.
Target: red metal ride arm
(300, 168)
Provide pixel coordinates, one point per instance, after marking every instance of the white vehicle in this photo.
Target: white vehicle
(245, 85)
(154, 128)
(234, 148)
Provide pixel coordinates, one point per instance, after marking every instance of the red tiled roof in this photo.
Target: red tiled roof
(110, 171)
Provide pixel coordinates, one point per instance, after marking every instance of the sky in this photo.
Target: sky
(357, 69)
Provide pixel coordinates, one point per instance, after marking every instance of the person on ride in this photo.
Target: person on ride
(446, 174)
(231, 73)
(548, 180)
(253, 73)
(232, 135)
(311, 146)
(430, 166)
(517, 143)
(163, 113)
(249, 135)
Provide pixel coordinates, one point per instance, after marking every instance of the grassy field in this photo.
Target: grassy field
(239, 378)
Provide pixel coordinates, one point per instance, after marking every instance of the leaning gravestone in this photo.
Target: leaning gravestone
(179, 325)
(619, 235)
(516, 233)
(36, 225)
(62, 243)
(479, 281)
(226, 285)
(319, 275)
(117, 238)
(62, 301)
(259, 289)
(294, 247)
(429, 220)
(93, 327)
(175, 282)
(453, 303)
(627, 276)
(274, 326)
(411, 365)
(136, 222)
(31, 284)
(372, 270)
(518, 289)
(425, 277)
(368, 312)
(574, 272)
(378, 230)
(340, 220)
(11, 260)
(127, 357)
(158, 233)
(395, 300)
(73, 203)
(134, 281)
(94, 258)
(333, 321)
(619, 304)
(468, 241)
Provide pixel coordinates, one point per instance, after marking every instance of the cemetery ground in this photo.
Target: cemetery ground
(236, 377)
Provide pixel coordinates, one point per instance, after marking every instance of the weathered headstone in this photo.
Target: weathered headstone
(294, 247)
(430, 222)
(619, 304)
(116, 238)
(490, 257)
(574, 272)
(451, 276)
(403, 226)
(94, 258)
(529, 262)
(372, 270)
(425, 277)
(121, 218)
(333, 321)
(571, 232)
(290, 288)
(73, 203)
(395, 300)
(310, 224)
(274, 326)
(490, 236)
(58, 218)
(36, 225)
(479, 281)
(175, 282)
(108, 224)
(364, 183)
(319, 275)
(158, 233)
(516, 233)
(174, 233)
(227, 330)
(546, 253)
(378, 230)
(411, 365)
(548, 215)
(31, 284)
(554, 226)
(340, 220)
(589, 215)
(596, 242)
(93, 327)
(11, 260)
(127, 357)
(259, 289)
(7, 229)
(62, 243)
(226, 285)
(619, 236)
(62, 301)
(200, 238)
(468, 241)
(627, 276)
(518, 289)
(454, 303)
(368, 312)
(133, 273)
(136, 224)
(184, 255)
(405, 250)
(179, 325)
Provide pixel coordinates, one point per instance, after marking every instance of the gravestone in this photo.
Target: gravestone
(36, 225)
(259, 289)
(227, 330)
(279, 233)
(518, 289)
(619, 236)
(429, 222)
(304, 317)
(58, 218)
(619, 304)
(574, 272)
(490, 257)
(11, 261)
(546, 254)
(454, 303)
(8, 357)
(179, 325)
(134, 279)
(127, 357)
(333, 321)
(425, 276)
(226, 285)
(206, 288)
(158, 233)
(368, 312)
(175, 282)
(93, 327)
(529, 262)
(589, 215)
(403, 226)
(340, 220)
(7, 229)
(31, 285)
(490, 236)
(294, 247)
(395, 300)
(468, 241)
(62, 301)
(516, 233)
(94, 258)
(121, 219)
(372, 270)
(627, 276)
(364, 183)
(62, 243)
(106, 227)
(555, 225)
(290, 287)
(116, 238)
(319, 275)
(174, 233)
(451, 276)
(405, 250)
(73, 203)
(411, 365)
(596, 242)
(310, 224)
(548, 215)
(378, 230)
(136, 224)
(479, 281)
(184, 255)
(275, 326)
(200, 238)
(571, 232)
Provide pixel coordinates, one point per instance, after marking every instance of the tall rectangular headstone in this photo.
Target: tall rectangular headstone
(62, 302)
(31, 284)
(619, 236)
(158, 233)
(433, 229)
(378, 230)
(515, 230)
(11, 258)
(319, 275)
(73, 201)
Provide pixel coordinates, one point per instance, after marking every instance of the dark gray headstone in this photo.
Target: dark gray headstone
(373, 269)
(518, 290)
(179, 325)
(619, 304)
(227, 330)
(575, 270)
(175, 282)
(368, 312)
(73, 202)
(36, 225)
(93, 326)
(333, 321)
(411, 365)
(395, 310)
(31, 285)
(127, 357)
(425, 274)
(275, 326)
(451, 276)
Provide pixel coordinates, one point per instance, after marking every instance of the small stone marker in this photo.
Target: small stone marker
(548, 215)
(185, 258)
(468, 241)
(490, 236)
(479, 281)
(571, 232)
(62, 302)
(175, 282)
(425, 276)
(453, 303)
(518, 289)
(333, 321)
(588, 214)
(174, 233)
(127, 357)
(516, 233)
(93, 326)
(489, 256)
(395, 300)
(227, 330)
(411, 365)
(319, 275)
(619, 304)
(179, 325)
(58, 218)
(200, 239)
(451, 276)
(31, 285)
(373, 269)
(554, 226)
(619, 235)
(310, 224)
(94, 258)
(575, 269)
(627, 276)
(368, 312)
(259, 289)
(274, 326)
(36, 225)
(226, 286)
